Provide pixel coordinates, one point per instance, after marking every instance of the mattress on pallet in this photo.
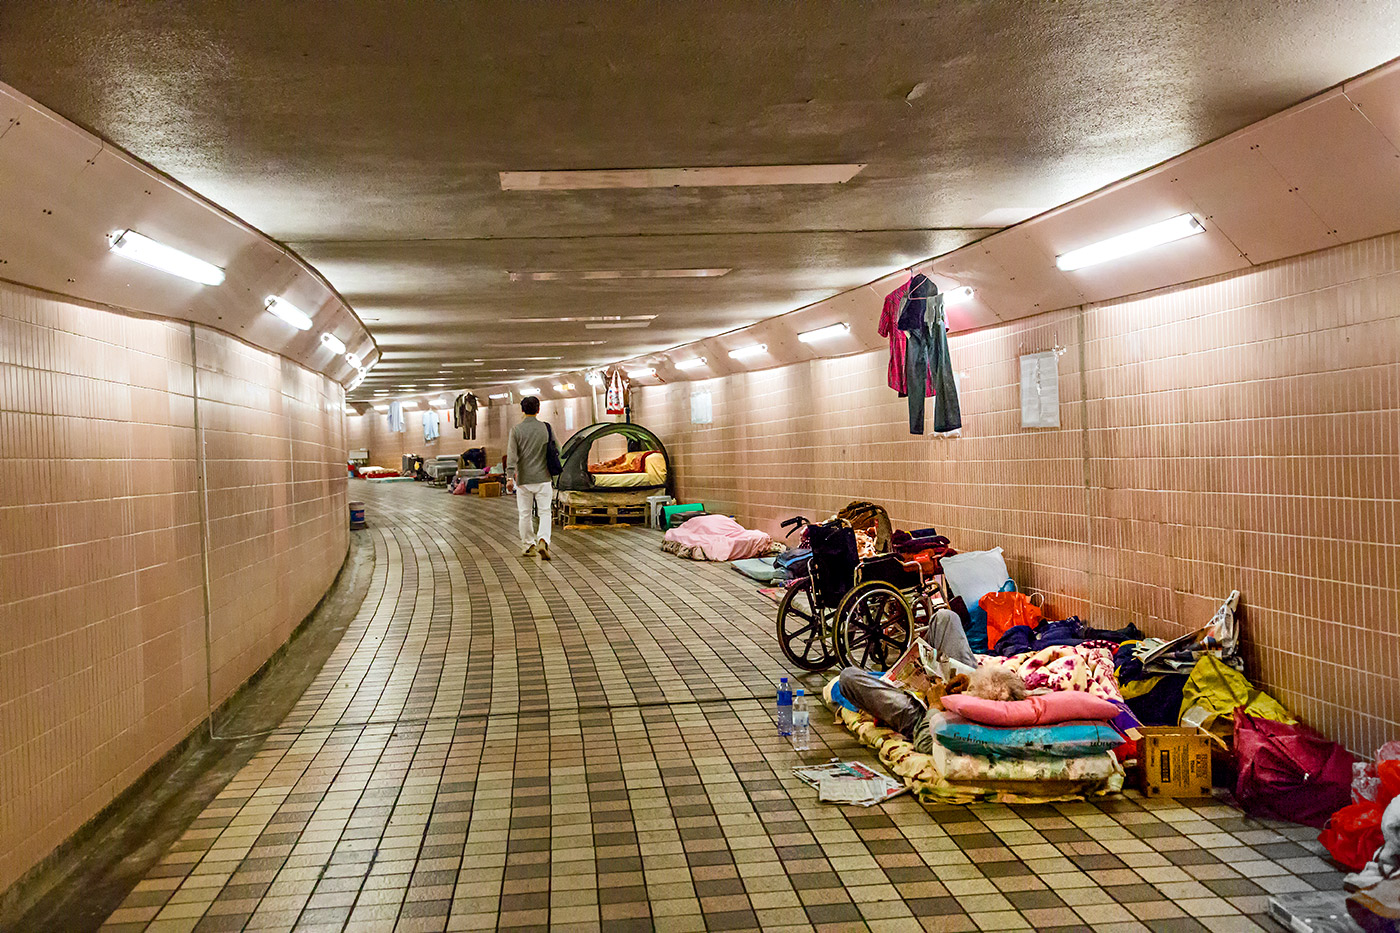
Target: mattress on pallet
(598, 500)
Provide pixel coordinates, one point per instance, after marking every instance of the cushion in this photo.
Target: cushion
(1061, 740)
(1060, 706)
(973, 575)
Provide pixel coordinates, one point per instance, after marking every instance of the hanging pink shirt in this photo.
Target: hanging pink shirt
(899, 341)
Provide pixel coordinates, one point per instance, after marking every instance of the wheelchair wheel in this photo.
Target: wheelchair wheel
(874, 626)
(803, 628)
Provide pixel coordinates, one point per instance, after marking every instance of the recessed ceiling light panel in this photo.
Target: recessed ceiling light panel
(603, 275)
(723, 176)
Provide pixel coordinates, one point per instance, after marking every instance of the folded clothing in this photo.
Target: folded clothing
(1059, 740)
(1019, 639)
(1040, 710)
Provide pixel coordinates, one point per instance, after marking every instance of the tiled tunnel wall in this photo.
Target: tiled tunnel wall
(102, 630)
(1237, 433)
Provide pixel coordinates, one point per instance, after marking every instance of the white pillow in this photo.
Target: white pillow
(974, 574)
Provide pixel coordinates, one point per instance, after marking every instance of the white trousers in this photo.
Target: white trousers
(528, 498)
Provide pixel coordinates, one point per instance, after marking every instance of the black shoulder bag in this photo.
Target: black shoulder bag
(551, 453)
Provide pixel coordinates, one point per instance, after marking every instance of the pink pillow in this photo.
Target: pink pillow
(1061, 706)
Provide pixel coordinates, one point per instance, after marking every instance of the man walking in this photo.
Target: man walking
(527, 472)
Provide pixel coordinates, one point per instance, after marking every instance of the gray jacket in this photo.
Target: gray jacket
(525, 454)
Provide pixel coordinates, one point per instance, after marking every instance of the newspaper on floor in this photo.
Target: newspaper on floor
(850, 783)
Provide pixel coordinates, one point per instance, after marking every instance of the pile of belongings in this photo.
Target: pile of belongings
(383, 474)
(1056, 744)
(1365, 837)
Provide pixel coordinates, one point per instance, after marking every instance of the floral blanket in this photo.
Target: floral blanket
(1087, 667)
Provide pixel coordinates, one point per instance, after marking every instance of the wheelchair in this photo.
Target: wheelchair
(860, 612)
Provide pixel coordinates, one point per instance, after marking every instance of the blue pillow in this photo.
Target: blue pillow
(1061, 740)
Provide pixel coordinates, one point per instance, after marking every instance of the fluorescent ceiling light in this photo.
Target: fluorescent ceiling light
(284, 309)
(381, 407)
(129, 244)
(743, 353)
(640, 373)
(499, 395)
(701, 177)
(441, 403)
(603, 275)
(619, 325)
(543, 343)
(563, 387)
(408, 403)
(1135, 241)
(530, 390)
(354, 361)
(595, 379)
(337, 346)
(590, 318)
(695, 362)
(957, 296)
(825, 333)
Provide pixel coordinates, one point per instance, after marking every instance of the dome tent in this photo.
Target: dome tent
(575, 456)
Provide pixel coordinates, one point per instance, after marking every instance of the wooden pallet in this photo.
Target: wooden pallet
(603, 515)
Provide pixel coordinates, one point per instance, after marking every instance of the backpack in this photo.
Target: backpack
(871, 519)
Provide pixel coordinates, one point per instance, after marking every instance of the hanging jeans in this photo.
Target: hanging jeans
(927, 361)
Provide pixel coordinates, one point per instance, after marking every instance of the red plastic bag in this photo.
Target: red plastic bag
(1353, 834)
(1289, 772)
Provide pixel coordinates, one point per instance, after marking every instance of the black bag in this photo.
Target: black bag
(793, 563)
(834, 560)
(551, 453)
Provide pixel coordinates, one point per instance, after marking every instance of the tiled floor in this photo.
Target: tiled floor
(588, 745)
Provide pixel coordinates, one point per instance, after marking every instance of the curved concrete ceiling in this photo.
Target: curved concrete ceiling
(372, 141)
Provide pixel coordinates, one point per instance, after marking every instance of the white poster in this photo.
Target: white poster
(568, 417)
(700, 412)
(1040, 390)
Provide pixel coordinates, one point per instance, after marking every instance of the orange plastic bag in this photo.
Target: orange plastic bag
(1005, 610)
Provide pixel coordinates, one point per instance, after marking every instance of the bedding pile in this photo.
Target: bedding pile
(715, 537)
(946, 775)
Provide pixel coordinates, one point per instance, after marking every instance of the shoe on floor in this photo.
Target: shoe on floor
(529, 551)
(544, 549)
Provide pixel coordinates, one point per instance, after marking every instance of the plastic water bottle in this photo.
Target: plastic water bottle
(784, 707)
(801, 722)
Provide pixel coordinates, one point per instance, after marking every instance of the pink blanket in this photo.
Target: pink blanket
(717, 537)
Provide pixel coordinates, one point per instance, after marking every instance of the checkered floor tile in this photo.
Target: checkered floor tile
(588, 744)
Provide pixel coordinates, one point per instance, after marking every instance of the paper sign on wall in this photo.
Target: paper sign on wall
(568, 417)
(700, 412)
(1040, 390)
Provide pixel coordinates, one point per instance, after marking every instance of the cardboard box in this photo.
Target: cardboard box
(1175, 761)
(488, 490)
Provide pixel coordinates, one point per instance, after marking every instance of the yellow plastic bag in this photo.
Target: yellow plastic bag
(1215, 690)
